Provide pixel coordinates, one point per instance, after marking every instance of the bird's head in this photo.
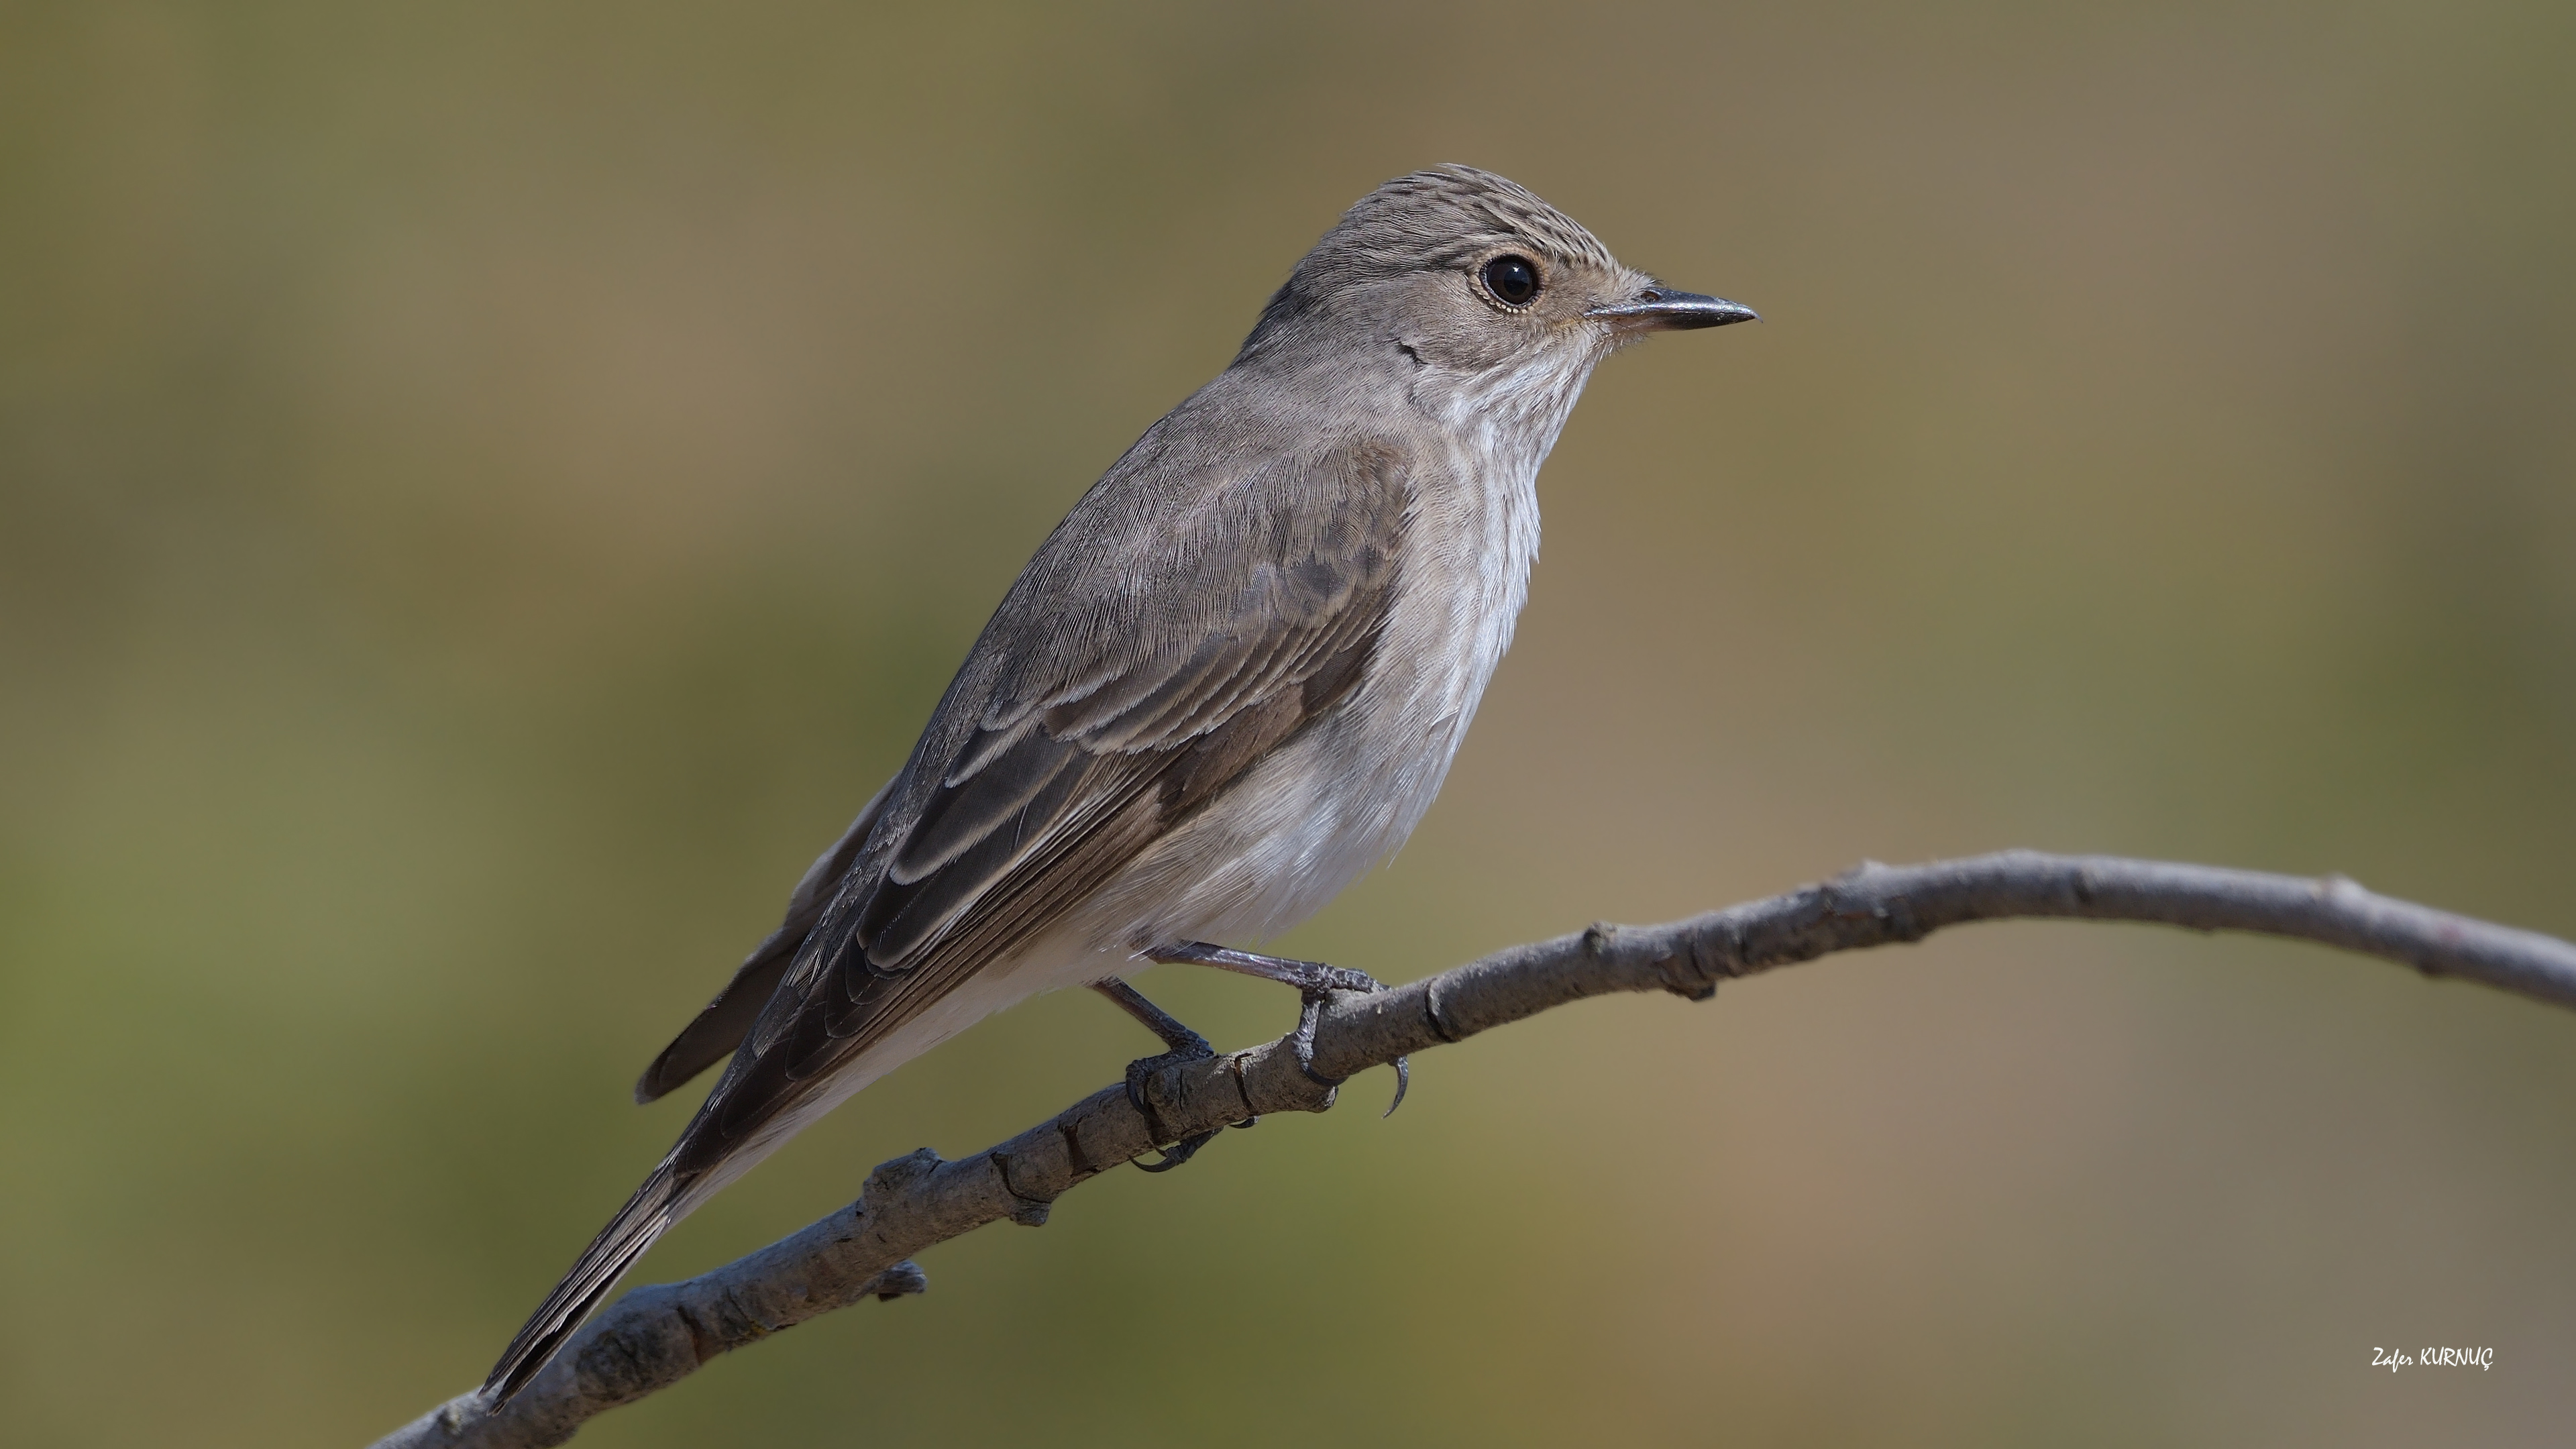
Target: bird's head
(1474, 280)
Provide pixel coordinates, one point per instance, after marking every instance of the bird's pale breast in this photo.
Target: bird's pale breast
(1346, 792)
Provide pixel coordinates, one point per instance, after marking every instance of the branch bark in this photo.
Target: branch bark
(654, 1336)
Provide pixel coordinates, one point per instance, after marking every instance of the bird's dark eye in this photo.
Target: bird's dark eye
(1512, 280)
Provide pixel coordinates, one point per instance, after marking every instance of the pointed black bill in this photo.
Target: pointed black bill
(1664, 309)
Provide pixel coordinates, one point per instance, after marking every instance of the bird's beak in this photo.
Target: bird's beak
(1663, 309)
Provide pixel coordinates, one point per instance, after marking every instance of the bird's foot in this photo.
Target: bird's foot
(1143, 1069)
(1315, 982)
(1186, 1046)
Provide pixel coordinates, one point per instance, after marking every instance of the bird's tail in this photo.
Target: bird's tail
(654, 1207)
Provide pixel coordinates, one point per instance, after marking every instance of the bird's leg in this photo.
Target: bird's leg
(1314, 981)
(1186, 1046)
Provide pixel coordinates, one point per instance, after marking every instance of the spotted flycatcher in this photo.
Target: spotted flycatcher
(1230, 681)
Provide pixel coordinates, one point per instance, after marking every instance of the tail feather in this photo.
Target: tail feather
(653, 1208)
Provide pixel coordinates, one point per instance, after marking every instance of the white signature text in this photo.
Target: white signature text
(2395, 1359)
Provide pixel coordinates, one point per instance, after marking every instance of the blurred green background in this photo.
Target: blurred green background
(486, 491)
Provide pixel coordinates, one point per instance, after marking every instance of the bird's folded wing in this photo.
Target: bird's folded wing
(1171, 633)
(717, 1029)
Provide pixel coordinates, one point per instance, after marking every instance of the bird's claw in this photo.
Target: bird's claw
(1183, 1150)
(1180, 1152)
(1302, 1041)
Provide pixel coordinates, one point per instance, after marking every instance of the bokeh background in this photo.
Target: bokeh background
(486, 490)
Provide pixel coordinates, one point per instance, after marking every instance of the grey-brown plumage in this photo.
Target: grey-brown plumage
(1231, 680)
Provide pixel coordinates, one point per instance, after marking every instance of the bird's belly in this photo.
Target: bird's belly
(1344, 793)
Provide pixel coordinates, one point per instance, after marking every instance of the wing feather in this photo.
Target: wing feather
(719, 1028)
(1253, 613)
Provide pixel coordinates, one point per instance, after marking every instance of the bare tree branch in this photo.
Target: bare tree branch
(654, 1336)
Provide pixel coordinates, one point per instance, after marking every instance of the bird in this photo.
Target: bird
(1228, 683)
